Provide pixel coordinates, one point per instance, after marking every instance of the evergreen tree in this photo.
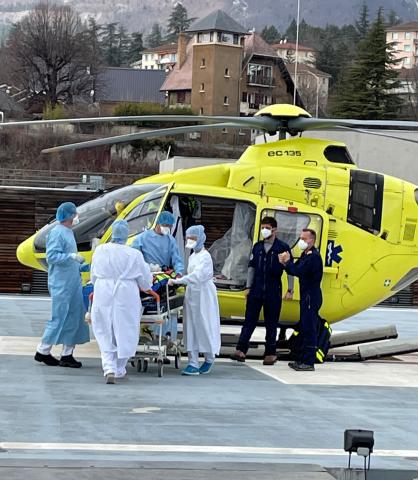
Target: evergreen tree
(290, 33)
(122, 46)
(367, 89)
(135, 48)
(393, 19)
(109, 44)
(178, 22)
(155, 38)
(362, 23)
(270, 34)
(93, 52)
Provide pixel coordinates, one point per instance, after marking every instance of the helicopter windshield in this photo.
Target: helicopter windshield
(96, 215)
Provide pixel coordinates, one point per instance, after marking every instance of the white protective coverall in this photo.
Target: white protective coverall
(117, 272)
(201, 310)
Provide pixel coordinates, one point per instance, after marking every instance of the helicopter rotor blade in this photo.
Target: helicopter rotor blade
(140, 135)
(301, 124)
(378, 134)
(260, 123)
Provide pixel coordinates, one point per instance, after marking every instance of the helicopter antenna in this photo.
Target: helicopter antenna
(265, 138)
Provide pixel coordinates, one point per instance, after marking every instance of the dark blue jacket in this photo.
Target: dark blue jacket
(309, 269)
(268, 270)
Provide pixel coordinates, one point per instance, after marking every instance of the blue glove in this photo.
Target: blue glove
(85, 267)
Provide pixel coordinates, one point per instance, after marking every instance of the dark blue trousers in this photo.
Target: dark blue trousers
(271, 308)
(309, 322)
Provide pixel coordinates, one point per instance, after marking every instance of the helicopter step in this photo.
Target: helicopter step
(357, 337)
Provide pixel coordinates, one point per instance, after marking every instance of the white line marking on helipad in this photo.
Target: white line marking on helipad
(217, 449)
(23, 297)
(266, 371)
(144, 410)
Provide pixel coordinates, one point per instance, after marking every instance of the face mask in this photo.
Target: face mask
(165, 230)
(302, 244)
(266, 232)
(191, 244)
(76, 220)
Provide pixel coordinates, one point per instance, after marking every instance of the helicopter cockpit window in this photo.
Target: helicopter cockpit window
(338, 154)
(289, 226)
(96, 216)
(142, 216)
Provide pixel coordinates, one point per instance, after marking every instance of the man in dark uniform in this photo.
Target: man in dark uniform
(264, 290)
(309, 269)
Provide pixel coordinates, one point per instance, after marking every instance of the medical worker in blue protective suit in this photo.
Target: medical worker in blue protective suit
(160, 249)
(67, 325)
(309, 269)
(201, 310)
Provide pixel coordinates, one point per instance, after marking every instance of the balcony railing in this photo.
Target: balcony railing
(260, 80)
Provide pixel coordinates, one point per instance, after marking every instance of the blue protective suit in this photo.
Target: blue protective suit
(159, 249)
(67, 325)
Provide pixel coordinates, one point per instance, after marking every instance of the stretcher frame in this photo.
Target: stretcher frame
(149, 351)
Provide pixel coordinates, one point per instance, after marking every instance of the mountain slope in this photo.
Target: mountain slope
(138, 15)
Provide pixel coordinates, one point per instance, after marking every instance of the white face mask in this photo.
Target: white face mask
(191, 243)
(302, 244)
(165, 230)
(266, 232)
(76, 220)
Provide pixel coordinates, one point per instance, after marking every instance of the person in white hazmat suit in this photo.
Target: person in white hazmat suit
(117, 273)
(201, 310)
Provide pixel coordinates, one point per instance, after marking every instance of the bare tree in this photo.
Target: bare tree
(49, 48)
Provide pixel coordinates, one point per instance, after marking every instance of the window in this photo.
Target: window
(408, 35)
(244, 96)
(224, 130)
(201, 111)
(260, 74)
(143, 215)
(202, 87)
(226, 101)
(181, 97)
(236, 39)
(407, 47)
(226, 37)
(291, 224)
(395, 35)
(365, 200)
(203, 63)
(407, 61)
(96, 216)
(204, 37)
(227, 72)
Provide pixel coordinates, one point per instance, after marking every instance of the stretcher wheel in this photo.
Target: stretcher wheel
(160, 368)
(139, 365)
(145, 366)
(177, 360)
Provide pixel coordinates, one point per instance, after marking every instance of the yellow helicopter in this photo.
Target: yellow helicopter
(365, 221)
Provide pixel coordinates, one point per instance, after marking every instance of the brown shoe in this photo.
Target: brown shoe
(238, 356)
(270, 360)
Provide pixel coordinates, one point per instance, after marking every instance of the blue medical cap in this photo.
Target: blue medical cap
(120, 232)
(166, 218)
(66, 211)
(199, 232)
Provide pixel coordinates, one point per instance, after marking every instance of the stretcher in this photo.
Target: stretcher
(154, 346)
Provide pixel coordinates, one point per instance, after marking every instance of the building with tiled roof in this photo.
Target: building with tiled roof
(404, 42)
(163, 57)
(229, 72)
(287, 51)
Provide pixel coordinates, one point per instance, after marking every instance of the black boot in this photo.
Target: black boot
(70, 361)
(47, 359)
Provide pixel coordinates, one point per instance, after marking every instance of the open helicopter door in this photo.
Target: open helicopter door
(290, 223)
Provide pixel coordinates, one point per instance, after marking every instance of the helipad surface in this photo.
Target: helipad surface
(238, 415)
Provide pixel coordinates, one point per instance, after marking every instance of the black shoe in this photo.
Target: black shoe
(70, 361)
(166, 361)
(47, 359)
(303, 367)
(238, 356)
